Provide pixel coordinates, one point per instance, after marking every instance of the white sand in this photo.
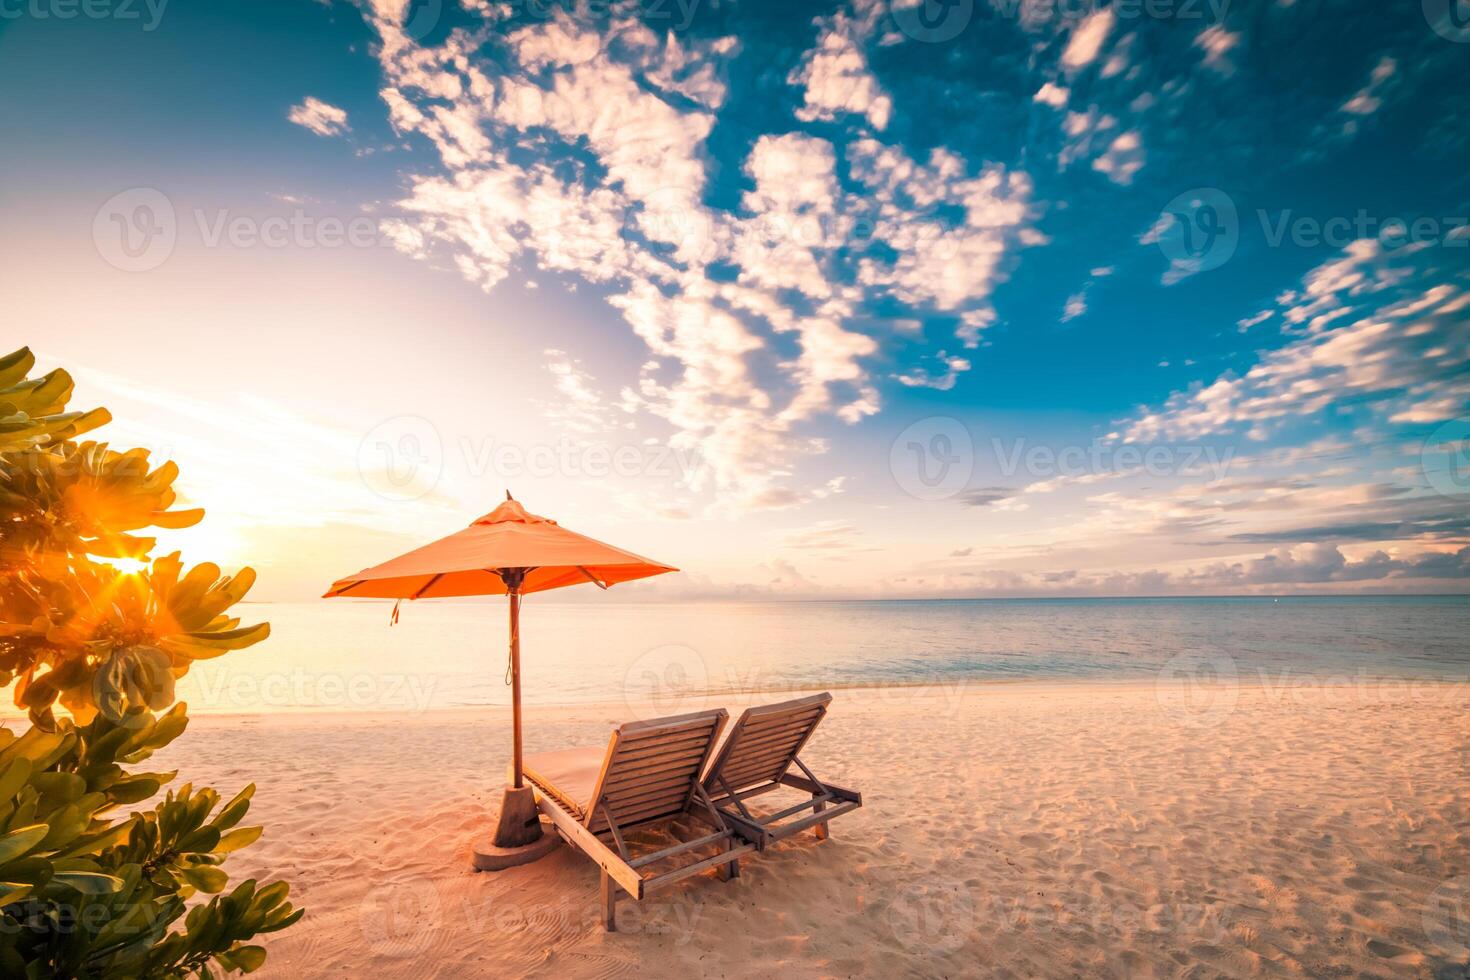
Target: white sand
(1009, 830)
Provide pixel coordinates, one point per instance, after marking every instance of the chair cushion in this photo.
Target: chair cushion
(569, 775)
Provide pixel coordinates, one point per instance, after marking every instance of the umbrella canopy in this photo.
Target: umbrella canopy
(469, 562)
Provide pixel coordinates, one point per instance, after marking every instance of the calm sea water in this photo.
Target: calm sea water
(344, 655)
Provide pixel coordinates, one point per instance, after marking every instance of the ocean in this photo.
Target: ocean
(342, 655)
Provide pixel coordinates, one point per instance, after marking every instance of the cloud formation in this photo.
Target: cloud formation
(616, 193)
(320, 117)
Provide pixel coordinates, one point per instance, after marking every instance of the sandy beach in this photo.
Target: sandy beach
(1014, 830)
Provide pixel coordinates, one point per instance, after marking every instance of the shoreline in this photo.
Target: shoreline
(1386, 687)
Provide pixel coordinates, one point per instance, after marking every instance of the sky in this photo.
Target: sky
(906, 299)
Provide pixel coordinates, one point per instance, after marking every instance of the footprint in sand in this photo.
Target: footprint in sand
(1387, 951)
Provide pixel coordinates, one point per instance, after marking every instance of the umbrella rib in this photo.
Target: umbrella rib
(592, 578)
(428, 585)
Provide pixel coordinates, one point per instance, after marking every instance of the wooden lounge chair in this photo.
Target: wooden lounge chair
(756, 758)
(648, 774)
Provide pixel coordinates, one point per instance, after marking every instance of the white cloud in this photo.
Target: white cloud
(836, 77)
(1088, 38)
(739, 368)
(1369, 99)
(320, 117)
(951, 267)
(1076, 306)
(1052, 95)
(582, 408)
(1401, 358)
(1123, 158)
(1217, 43)
(921, 378)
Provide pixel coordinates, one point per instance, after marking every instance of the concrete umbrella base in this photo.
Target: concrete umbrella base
(522, 835)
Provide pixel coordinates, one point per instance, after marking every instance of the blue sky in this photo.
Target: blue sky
(872, 298)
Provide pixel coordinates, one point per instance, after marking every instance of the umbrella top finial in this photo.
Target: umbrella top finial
(512, 512)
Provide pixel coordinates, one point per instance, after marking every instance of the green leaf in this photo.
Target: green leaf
(13, 891)
(19, 842)
(238, 838)
(88, 882)
(16, 775)
(207, 879)
(275, 924)
(234, 810)
(246, 959)
(134, 789)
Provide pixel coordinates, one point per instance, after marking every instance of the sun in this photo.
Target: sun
(129, 566)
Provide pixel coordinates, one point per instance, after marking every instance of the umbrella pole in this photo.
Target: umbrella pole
(519, 826)
(515, 675)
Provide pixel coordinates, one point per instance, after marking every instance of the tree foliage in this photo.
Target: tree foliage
(92, 883)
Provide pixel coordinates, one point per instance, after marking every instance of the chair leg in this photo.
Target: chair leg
(732, 868)
(821, 829)
(609, 903)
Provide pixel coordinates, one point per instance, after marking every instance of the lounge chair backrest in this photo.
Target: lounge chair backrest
(652, 768)
(764, 742)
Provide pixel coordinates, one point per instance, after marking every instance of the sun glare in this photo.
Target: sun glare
(129, 566)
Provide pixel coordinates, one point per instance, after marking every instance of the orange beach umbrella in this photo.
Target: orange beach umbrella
(507, 552)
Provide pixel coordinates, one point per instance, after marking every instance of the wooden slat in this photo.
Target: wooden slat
(665, 732)
(747, 745)
(645, 813)
(750, 830)
(644, 747)
(802, 783)
(756, 726)
(794, 715)
(820, 700)
(634, 798)
(659, 750)
(679, 874)
(634, 728)
(623, 778)
(546, 789)
(742, 775)
(725, 802)
(796, 826)
(621, 781)
(669, 852)
(780, 815)
(630, 880)
(760, 757)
